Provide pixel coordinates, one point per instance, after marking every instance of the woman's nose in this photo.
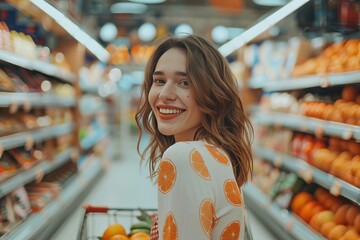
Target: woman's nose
(168, 92)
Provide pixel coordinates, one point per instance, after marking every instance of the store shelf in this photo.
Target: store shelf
(309, 173)
(38, 135)
(35, 99)
(323, 80)
(95, 137)
(36, 65)
(39, 170)
(307, 124)
(56, 211)
(272, 214)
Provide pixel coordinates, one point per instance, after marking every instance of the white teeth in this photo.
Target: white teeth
(170, 111)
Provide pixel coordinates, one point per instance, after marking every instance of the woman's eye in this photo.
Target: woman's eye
(158, 81)
(184, 83)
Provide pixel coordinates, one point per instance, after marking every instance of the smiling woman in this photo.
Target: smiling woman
(200, 139)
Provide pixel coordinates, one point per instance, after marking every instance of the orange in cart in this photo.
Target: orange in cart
(140, 236)
(119, 237)
(112, 230)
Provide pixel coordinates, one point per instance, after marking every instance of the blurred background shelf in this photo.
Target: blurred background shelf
(309, 173)
(42, 224)
(35, 172)
(35, 100)
(37, 135)
(323, 80)
(282, 222)
(307, 124)
(36, 65)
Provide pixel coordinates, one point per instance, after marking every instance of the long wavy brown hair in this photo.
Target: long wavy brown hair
(224, 123)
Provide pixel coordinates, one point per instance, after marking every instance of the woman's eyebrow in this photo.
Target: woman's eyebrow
(180, 73)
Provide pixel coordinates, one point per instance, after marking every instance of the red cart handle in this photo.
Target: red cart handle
(95, 209)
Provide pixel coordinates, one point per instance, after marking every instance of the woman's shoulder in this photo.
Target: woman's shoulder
(179, 148)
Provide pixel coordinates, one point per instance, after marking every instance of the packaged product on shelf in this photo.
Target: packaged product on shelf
(8, 166)
(20, 203)
(6, 84)
(23, 157)
(7, 215)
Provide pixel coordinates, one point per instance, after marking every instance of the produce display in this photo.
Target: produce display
(139, 230)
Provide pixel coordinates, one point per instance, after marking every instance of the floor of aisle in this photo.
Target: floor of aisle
(125, 184)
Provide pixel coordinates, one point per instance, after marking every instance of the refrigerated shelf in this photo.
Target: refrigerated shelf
(309, 173)
(281, 220)
(322, 80)
(307, 124)
(36, 65)
(39, 170)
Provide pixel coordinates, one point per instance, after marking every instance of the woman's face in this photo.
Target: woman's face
(171, 97)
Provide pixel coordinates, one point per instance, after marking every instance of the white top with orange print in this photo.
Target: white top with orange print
(198, 196)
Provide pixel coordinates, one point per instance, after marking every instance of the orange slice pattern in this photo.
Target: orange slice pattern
(170, 231)
(166, 175)
(220, 157)
(232, 192)
(231, 231)
(198, 164)
(207, 216)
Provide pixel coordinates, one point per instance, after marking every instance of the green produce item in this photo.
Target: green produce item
(132, 232)
(145, 217)
(141, 225)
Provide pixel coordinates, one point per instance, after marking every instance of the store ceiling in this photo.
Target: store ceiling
(201, 14)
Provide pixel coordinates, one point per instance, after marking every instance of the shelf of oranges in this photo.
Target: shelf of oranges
(307, 124)
(32, 136)
(280, 219)
(309, 173)
(36, 172)
(36, 65)
(37, 225)
(322, 80)
(8, 99)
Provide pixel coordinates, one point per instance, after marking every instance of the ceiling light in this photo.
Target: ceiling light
(73, 29)
(147, 32)
(260, 27)
(133, 8)
(108, 32)
(220, 34)
(148, 1)
(183, 28)
(271, 3)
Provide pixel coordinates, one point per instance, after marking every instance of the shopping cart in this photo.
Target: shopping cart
(97, 218)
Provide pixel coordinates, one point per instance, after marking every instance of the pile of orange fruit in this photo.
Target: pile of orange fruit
(337, 57)
(332, 217)
(117, 231)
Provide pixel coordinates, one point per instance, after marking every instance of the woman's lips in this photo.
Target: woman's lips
(169, 112)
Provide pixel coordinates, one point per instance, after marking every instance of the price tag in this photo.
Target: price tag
(325, 82)
(347, 134)
(290, 225)
(27, 106)
(14, 107)
(278, 162)
(29, 143)
(39, 175)
(335, 188)
(307, 175)
(319, 131)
